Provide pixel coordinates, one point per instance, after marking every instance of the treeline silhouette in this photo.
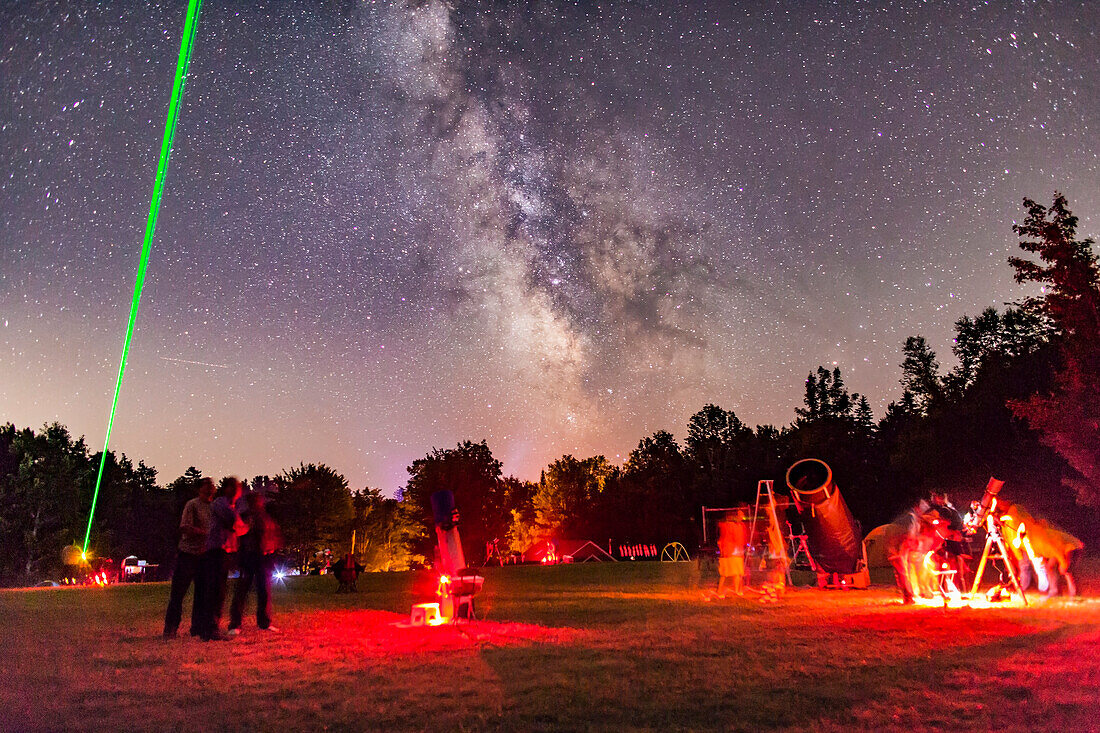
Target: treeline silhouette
(1022, 404)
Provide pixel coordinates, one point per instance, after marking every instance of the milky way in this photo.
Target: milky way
(389, 227)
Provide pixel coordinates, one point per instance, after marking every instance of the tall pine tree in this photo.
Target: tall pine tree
(1068, 418)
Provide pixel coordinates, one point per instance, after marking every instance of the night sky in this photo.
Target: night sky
(391, 227)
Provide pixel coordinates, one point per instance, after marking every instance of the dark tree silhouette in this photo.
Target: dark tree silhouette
(1068, 416)
(920, 373)
(567, 494)
(863, 416)
(314, 508)
(826, 396)
(717, 449)
(40, 499)
(654, 504)
(471, 472)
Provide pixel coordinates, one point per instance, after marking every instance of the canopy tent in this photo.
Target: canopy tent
(875, 546)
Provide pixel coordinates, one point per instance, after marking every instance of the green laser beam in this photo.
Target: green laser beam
(183, 62)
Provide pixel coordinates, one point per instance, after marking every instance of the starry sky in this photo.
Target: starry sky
(558, 227)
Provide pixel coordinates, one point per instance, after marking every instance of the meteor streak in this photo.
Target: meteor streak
(199, 363)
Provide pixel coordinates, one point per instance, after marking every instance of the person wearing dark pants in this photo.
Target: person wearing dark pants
(215, 572)
(256, 560)
(221, 549)
(187, 572)
(255, 570)
(194, 526)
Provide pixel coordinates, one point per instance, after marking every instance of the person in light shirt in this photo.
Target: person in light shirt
(194, 526)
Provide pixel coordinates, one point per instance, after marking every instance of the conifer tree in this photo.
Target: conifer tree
(1068, 418)
(919, 373)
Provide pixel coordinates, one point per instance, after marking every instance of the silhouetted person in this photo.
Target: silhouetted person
(256, 560)
(194, 526)
(954, 547)
(221, 547)
(347, 573)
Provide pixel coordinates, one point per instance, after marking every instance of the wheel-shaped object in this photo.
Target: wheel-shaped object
(674, 552)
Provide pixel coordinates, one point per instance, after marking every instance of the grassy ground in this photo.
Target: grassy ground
(589, 647)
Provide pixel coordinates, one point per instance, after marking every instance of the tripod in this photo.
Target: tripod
(995, 550)
(492, 553)
(799, 549)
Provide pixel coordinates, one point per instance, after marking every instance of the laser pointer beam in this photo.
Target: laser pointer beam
(184, 60)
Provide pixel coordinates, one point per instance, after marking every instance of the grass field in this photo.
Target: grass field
(587, 647)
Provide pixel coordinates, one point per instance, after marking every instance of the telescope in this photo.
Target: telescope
(979, 510)
(985, 512)
(458, 584)
(832, 532)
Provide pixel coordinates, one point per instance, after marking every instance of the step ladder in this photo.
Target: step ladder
(765, 501)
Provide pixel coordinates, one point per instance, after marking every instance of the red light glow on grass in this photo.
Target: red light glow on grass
(378, 634)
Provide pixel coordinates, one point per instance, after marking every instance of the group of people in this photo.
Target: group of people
(220, 528)
(930, 549)
(928, 542)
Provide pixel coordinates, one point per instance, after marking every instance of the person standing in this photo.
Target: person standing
(733, 536)
(954, 540)
(256, 559)
(221, 548)
(903, 542)
(776, 562)
(194, 526)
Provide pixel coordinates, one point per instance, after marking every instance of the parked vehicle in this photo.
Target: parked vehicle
(136, 571)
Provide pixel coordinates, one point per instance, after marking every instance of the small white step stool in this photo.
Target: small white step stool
(425, 614)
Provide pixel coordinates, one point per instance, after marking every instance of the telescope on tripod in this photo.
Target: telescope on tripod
(979, 510)
(985, 512)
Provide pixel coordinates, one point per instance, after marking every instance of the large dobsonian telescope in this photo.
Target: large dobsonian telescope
(832, 533)
(449, 547)
(458, 584)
